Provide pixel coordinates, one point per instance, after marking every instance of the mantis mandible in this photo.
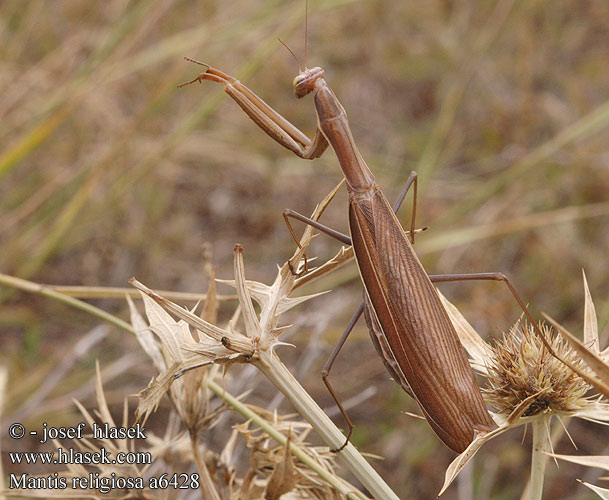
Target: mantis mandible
(408, 324)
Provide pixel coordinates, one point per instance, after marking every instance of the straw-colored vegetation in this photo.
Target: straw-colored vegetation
(108, 171)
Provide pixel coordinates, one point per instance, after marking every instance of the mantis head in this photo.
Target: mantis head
(305, 82)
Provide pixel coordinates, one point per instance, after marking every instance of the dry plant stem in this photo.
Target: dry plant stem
(30, 286)
(207, 485)
(556, 435)
(109, 292)
(541, 446)
(272, 367)
(297, 451)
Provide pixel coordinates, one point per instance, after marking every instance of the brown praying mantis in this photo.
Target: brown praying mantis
(408, 324)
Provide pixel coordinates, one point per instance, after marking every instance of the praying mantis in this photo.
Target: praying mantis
(408, 324)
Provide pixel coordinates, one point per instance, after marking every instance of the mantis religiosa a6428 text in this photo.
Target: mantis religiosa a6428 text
(408, 324)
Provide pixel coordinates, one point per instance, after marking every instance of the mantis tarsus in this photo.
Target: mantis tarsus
(407, 321)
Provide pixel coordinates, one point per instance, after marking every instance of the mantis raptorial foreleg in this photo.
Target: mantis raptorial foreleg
(274, 124)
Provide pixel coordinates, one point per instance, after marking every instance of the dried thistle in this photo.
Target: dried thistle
(273, 473)
(192, 342)
(527, 384)
(521, 368)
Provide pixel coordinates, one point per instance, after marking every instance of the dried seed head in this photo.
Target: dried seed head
(521, 367)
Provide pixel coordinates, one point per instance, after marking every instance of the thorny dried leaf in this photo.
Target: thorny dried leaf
(227, 345)
(284, 477)
(150, 397)
(250, 318)
(594, 461)
(188, 395)
(478, 350)
(266, 456)
(209, 330)
(273, 301)
(146, 338)
(180, 351)
(172, 335)
(601, 492)
(599, 376)
(223, 345)
(590, 323)
(463, 459)
(263, 294)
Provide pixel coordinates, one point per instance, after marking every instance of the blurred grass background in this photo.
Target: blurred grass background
(108, 171)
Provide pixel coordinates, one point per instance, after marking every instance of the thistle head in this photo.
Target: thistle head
(521, 367)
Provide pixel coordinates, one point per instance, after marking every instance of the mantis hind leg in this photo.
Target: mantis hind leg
(496, 276)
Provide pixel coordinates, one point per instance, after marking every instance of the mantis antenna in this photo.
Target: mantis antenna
(306, 34)
(293, 55)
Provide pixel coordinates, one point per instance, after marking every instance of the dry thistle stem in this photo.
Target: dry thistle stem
(521, 368)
